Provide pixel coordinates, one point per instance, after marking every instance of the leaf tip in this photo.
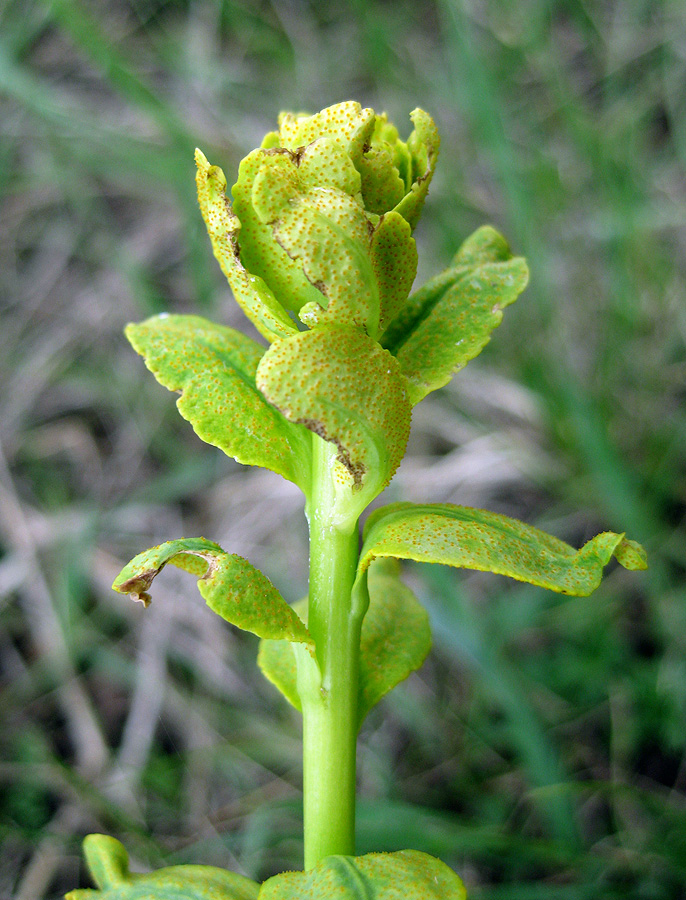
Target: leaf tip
(631, 555)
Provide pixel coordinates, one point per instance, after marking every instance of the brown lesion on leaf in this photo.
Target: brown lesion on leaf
(138, 586)
(295, 155)
(356, 469)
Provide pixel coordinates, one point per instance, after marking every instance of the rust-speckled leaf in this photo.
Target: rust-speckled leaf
(423, 145)
(475, 539)
(347, 123)
(108, 863)
(230, 585)
(449, 321)
(394, 260)
(406, 875)
(252, 294)
(363, 273)
(345, 388)
(396, 636)
(259, 252)
(213, 367)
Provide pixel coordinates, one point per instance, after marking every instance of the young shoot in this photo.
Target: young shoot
(316, 242)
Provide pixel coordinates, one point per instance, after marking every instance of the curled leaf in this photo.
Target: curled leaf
(476, 539)
(376, 876)
(213, 367)
(230, 585)
(108, 862)
(252, 294)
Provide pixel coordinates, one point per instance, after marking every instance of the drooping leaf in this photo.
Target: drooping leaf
(448, 321)
(345, 388)
(395, 639)
(406, 875)
(476, 539)
(214, 369)
(108, 863)
(394, 642)
(252, 294)
(230, 585)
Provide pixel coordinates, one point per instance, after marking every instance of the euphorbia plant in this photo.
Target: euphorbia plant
(317, 246)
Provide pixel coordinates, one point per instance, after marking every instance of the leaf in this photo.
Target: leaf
(313, 204)
(214, 369)
(277, 661)
(423, 145)
(230, 585)
(252, 293)
(108, 862)
(395, 639)
(376, 876)
(328, 233)
(259, 252)
(488, 542)
(347, 123)
(345, 388)
(394, 642)
(394, 260)
(448, 321)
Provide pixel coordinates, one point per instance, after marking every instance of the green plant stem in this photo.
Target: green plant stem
(329, 691)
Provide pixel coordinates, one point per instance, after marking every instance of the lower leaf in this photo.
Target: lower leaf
(376, 876)
(230, 585)
(108, 863)
(488, 542)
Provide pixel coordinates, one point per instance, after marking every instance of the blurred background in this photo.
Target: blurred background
(541, 749)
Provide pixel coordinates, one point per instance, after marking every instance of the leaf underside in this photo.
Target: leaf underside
(476, 539)
(230, 585)
(213, 367)
(376, 876)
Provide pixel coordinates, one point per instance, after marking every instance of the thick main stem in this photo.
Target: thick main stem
(330, 704)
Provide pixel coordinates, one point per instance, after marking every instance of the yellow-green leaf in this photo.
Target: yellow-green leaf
(252, 293)
(347, 389)
(277, 662)
(406, 875)
(476, 539)
(230, 585)
(395, 639)
(213, 367)
(423, 145)
(108, 863)
(449, 321)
